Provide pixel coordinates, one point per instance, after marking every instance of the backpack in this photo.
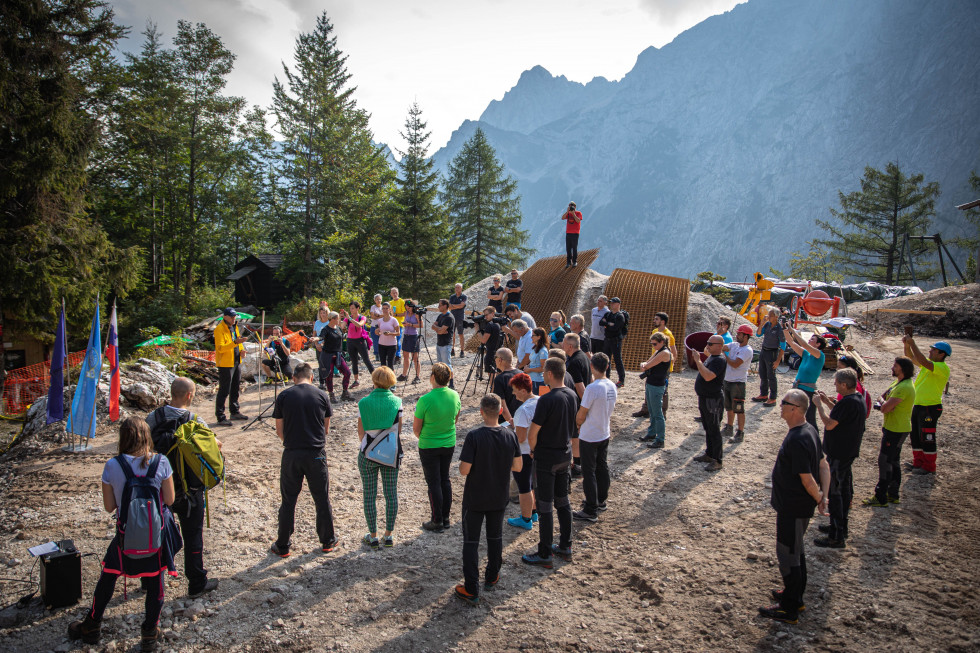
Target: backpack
(626, 324)
(139, 520)
(195, 450)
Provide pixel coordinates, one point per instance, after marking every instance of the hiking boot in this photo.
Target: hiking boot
(576, 471)
(829, 543)
(738, 437)
(656, 444)
(331, 546)
(239, 417)
(713, 466)
(760, 398)
(465, 596)
(532, 558)
(643, 412)
(564, 554)
(703, 458)
(778, 596)
(825, 528)
(87, 630)
(770, 404)
(777, 613)
(434, 526)
(282, 552)
(333, 398)
(346, 396)
(647, 438)
(583, 515)
(149, 639)
(874, 502)
(224, 421)
(727, 430)
(490, 584)
(209, 586)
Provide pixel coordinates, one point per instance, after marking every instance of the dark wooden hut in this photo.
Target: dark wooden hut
(256, 282)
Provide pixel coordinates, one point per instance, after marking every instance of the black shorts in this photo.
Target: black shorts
(410, 344)
(523, 477)
(459, 324)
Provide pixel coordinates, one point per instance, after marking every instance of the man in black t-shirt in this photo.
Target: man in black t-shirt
(457, 306)
(800, 481)
(515, 288)
(489, 454)
(504, 360)
(490, 337)
(444, 325)
(550, 439)
(302, 415)
(578, 368)
(711, 401)
(614, 322)
(843, 432)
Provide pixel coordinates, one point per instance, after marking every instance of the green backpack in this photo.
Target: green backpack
(197, 452)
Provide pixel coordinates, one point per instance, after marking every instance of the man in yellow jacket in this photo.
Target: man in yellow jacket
(229, 352)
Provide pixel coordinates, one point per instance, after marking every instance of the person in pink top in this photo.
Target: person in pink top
(358, 340)
(573, 224)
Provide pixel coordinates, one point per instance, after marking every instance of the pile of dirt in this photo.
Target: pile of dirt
(704, 310)
(961, 304)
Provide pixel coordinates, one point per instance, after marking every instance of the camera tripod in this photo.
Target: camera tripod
(478, 365)
(275, 387)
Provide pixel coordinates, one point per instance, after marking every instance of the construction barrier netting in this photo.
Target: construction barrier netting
(25, 385)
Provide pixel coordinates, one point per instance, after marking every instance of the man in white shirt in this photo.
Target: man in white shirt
(739, 357)
(524, 344)
(599, 333)
(593, 416)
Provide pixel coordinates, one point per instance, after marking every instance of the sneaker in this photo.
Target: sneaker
(703, 458)
(347, 396)
(770, 404)
(520, 522)
(415, 380)
(239, 417)
(209, 586)
(892, 499)
(656, 444)
(434, 526)
(727, 430)
(713, 466)
(585, 516)
(490, 584)
(333, 398)
(330, 547)
(738, 437)
(354, 384)
(149, 639)
(824, 528)
(621, 384)
(828, 543)
(388, 542)
(760, 398)
(224, 421)
(370, 541)
(874, 502)
(282, 552)
(88, 631)
(603, 507)
(576, 471)
(452, 352)
(921, 471)
(643, 412)
(465, 596)
(532, 558)
(401, 377)
(564, 554)
(568, 265)
(778, 596)
(648, 438)
(776, 613)
(574, 265)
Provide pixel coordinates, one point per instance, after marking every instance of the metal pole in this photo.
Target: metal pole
(911, 263)
(261, 350)
(939, 241)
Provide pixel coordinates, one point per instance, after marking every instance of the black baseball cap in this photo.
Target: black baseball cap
(615, 300)
(230, 312)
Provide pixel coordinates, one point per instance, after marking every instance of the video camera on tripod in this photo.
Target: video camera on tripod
(478, 320)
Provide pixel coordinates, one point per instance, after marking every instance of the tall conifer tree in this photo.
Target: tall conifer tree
(484, 210)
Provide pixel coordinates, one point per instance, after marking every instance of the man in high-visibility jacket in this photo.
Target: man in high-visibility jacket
(229, 352)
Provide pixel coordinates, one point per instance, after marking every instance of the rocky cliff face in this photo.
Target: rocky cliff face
(718, 150)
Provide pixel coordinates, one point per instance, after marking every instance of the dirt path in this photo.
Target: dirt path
(680, 561)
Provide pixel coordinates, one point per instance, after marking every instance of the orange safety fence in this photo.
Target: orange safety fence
(25, 385)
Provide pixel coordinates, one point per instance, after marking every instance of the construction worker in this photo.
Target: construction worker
(930, 383)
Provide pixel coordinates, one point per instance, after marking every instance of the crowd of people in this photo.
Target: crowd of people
(545, 422)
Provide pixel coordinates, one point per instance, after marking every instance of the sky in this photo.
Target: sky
(451, 56)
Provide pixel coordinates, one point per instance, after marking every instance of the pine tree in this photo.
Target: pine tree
(337, 184)
(867, 233)
(52, 90)
(484, 210)
(424, 249)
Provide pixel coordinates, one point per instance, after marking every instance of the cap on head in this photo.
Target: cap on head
(745, 328)
(943, 347)
(230, 312)
(615, 300)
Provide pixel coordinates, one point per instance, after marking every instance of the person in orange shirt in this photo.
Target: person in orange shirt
(229, 352)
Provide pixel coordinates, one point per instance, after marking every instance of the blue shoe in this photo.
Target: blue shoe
(532, 558)
(520, 523)
(534, 517)
(564, 554)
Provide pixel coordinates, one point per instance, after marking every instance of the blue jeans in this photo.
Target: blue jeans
(655, 404)
(398, 352)
(376, 337)
(442, 355)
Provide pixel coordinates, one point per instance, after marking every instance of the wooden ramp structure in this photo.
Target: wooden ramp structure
(644, 294)
(549, 287)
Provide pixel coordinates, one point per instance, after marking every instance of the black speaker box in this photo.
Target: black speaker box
(61, 579)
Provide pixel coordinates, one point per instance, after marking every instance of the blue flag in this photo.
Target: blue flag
(59, 362)
(81, 421)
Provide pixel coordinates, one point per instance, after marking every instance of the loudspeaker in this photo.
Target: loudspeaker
(61, 577)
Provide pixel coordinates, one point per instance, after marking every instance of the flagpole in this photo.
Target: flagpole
(67, 366)
(95, 402)
(260, 352)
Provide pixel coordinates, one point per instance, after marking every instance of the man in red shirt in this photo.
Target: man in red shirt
(573, 224)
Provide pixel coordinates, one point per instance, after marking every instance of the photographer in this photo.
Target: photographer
(810, 366)
(280, 348)
(490, 337)
(573, 225)
(773, 345)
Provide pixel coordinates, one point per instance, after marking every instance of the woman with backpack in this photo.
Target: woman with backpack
(135, 476)
(377, 413)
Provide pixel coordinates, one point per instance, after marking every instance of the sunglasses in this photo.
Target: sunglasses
(788, 403)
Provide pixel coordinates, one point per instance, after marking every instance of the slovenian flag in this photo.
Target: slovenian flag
(112, 359)
(81, 420)
(59, 363)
